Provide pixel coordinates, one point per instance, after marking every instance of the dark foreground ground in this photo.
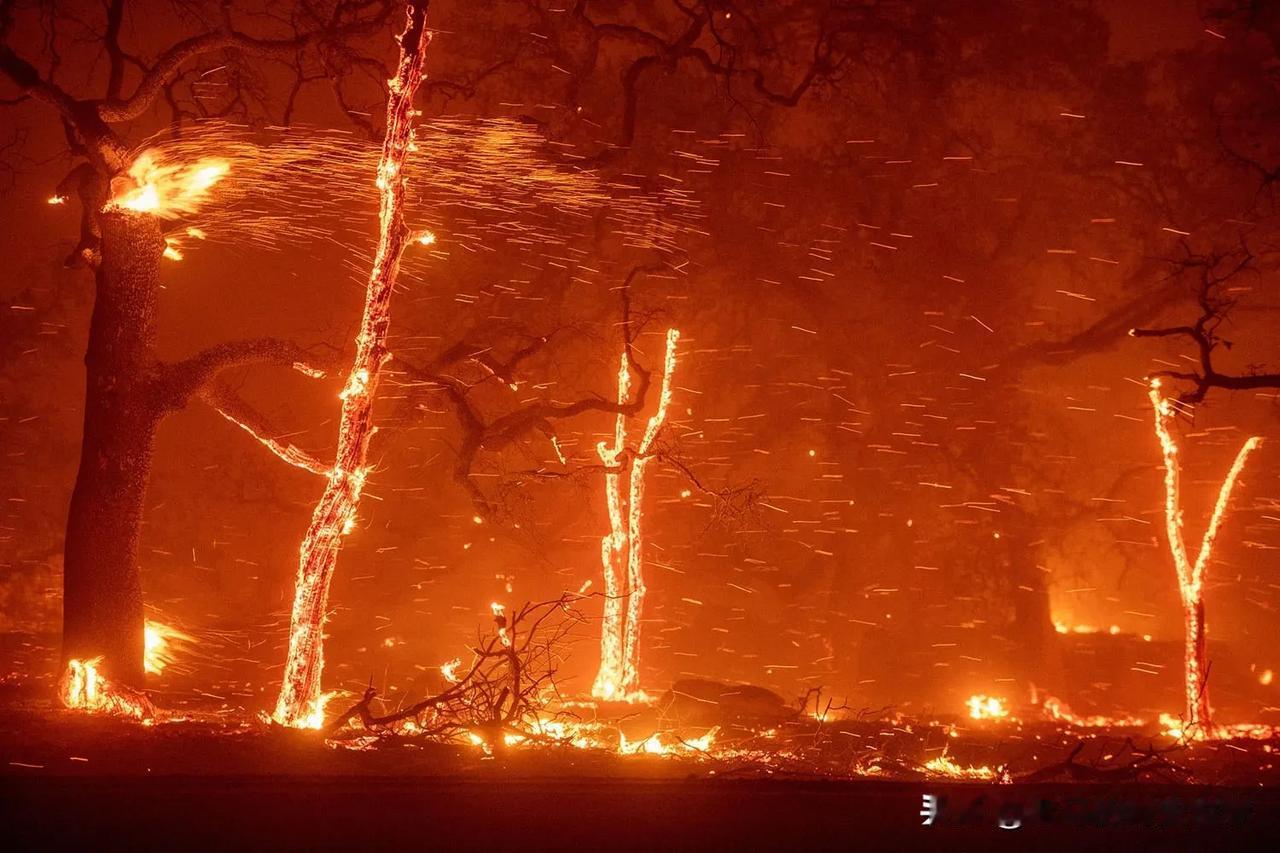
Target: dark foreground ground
(587, 814)
(91, 783)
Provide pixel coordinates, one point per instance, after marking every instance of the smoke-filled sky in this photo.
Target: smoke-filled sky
(903, 273)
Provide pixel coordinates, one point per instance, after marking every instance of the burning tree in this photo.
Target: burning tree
(1191, 574)
(1214, 270)
(622, 551)
(299, 703)
(128, 390)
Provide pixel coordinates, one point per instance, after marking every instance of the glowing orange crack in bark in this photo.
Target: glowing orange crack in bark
(1191, 575)
(619, 678)
(300, 703)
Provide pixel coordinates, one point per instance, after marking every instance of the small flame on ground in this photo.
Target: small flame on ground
(656, 744)
(944, 766)
(314, 718)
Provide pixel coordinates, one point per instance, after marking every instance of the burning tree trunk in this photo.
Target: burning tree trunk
(102, 589)
(1191, 575)
(613, 551)
(623, 548)
(299, 703)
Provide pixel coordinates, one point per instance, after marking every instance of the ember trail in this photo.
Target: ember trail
(862, 392)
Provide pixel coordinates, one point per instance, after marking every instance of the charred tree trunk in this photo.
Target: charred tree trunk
(1036, 655)
(102, 588)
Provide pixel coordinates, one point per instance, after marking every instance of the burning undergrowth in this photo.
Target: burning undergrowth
(503, 705)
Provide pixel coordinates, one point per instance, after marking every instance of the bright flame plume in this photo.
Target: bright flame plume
(161, 645)
(167, 189)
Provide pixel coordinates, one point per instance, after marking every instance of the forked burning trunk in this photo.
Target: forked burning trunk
(299, 703)
(102, 589)
(623, 549)
(1191, 575)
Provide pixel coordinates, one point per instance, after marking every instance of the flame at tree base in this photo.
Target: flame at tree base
(84, 688)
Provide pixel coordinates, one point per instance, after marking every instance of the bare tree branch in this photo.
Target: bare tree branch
(180, 380)
(1213, 270)
(350, 18)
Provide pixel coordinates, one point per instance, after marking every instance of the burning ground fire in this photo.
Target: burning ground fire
(553, 721)
(84, 688)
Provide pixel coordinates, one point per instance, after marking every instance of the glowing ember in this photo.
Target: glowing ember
(986, 707)
(300, 703)
(450, 670)
(167, 189)
(1191, 575)
(619, 678)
